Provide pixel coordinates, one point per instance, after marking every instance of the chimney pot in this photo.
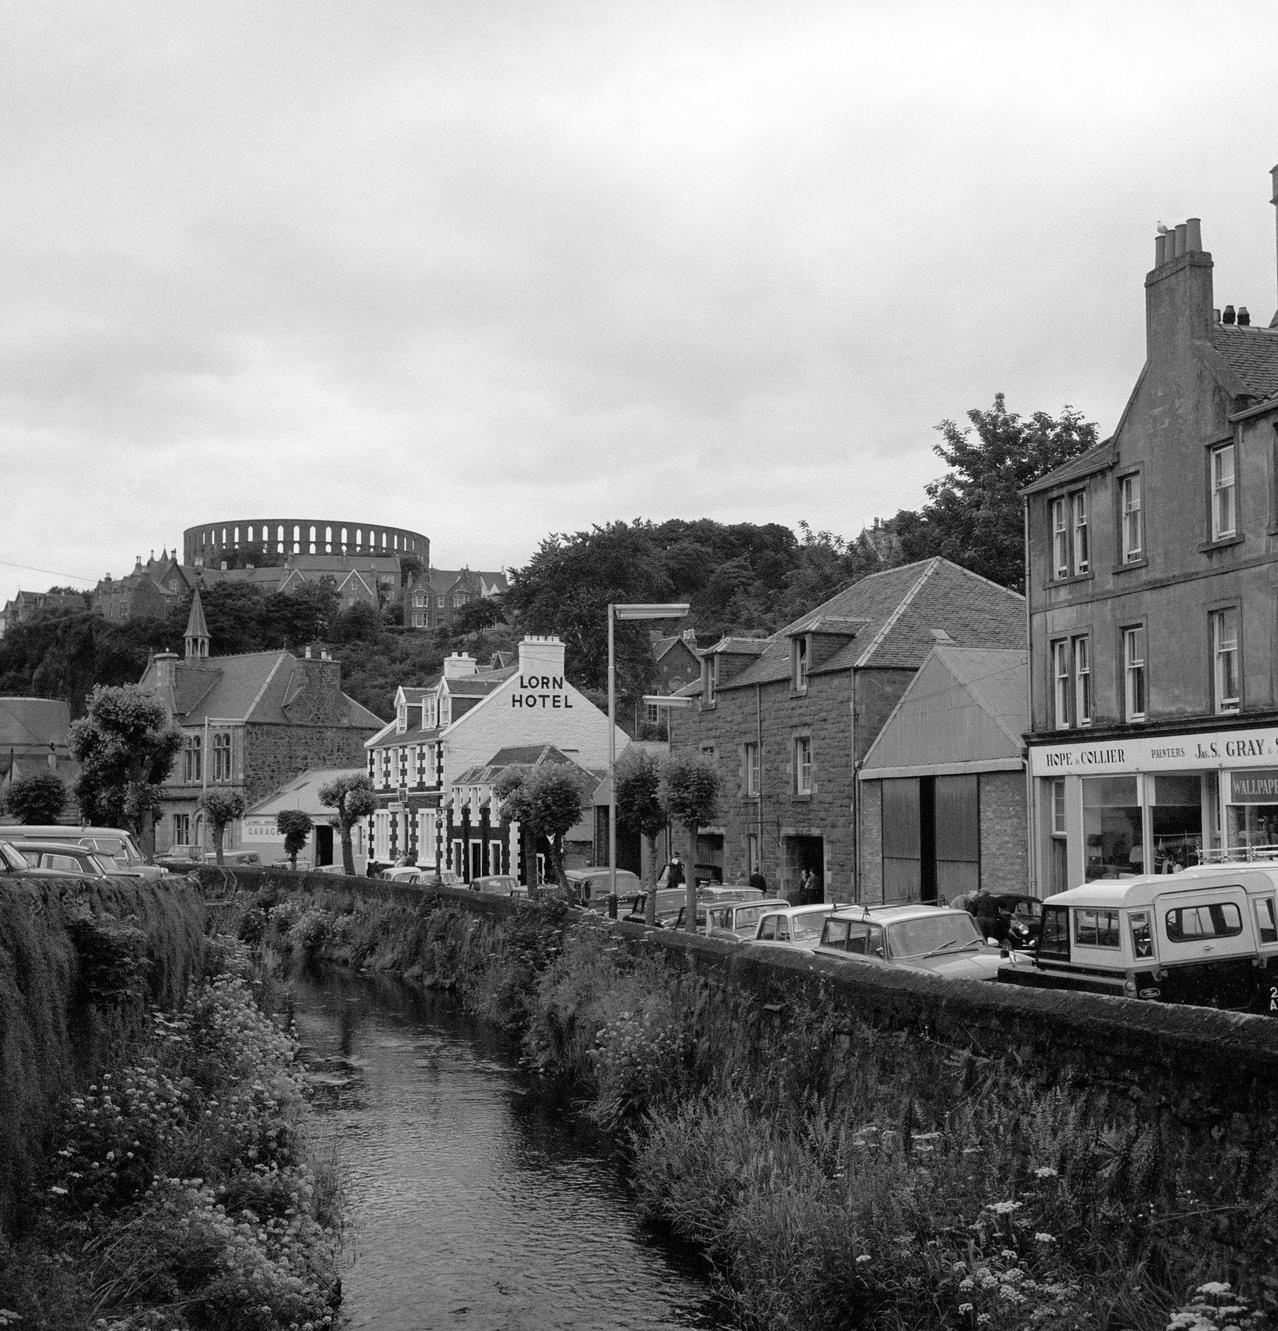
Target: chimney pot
(1160, 250)
(1243, 317)
(1180, 239)
(1193, 233)
(1228, 316)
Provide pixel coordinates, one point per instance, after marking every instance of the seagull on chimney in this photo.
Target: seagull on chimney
(1162, 230)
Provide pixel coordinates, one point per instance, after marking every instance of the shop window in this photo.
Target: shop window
(1134, 672)
(1071, 535)
(1226, 688)
(1175, 820)
(1111, 826)
(1131, 518)
(1224, 493)
(1072, 681)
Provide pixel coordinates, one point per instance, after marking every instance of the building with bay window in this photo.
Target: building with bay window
(1152, 582)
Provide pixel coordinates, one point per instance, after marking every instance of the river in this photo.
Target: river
(477, 1201)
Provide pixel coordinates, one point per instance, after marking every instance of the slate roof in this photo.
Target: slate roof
(1095, 459)
(531, 755)
(898, 609)
(253, 687)
(1251, 355)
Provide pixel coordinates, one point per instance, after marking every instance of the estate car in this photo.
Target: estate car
(937, 939)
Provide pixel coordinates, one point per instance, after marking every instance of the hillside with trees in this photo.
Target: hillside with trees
(739, 578)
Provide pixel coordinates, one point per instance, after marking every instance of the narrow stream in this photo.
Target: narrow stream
(476, 1200)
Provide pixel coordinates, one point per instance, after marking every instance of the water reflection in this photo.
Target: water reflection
(476, 1200)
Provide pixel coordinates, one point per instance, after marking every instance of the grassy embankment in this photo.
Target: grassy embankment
(838, 1174)
(154, 1166)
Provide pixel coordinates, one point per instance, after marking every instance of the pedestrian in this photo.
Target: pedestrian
(674, 875)
(758, 880)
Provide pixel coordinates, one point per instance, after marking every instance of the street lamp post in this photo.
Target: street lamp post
(643, 610)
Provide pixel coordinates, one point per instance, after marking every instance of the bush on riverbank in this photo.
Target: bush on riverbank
(178, 1193)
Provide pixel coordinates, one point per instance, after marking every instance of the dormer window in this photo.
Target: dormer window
(430, 712)
(800, 649)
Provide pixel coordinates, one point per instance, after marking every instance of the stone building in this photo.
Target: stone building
(250, 723)
(433, 597)
(1152, 563)
(34, 736)
(789, 718)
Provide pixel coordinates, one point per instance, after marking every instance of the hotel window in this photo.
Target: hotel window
(1224, 655)
(1224, 493)
(1131, 518)
(192, 761)
(803, 765)
(1134, 701)
(222, 756)
(799, 664)
(1072, 682)
(1071, 538)
(751, 769)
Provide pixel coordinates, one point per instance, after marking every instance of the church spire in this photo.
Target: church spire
(197, 630)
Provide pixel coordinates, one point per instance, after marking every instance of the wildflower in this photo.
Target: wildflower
(864, 1257)
(1044, 1238)
(1045, 1171)
(1003, 1208)
(964, 1309)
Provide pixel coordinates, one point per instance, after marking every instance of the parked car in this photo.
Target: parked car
(65, 859)
(590, 886)
(794, 926)
(1206, 936)
(670, 901)
(498, 884)
(180, 854)
(13, 864)
(112, 841)
(739, 920)
(937, 939)
(423, 875)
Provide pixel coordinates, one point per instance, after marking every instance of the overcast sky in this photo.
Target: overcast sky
(493, 270)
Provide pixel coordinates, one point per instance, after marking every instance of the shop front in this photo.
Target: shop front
(1151, 804)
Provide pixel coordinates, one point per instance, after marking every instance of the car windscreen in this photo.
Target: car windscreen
(932, 933)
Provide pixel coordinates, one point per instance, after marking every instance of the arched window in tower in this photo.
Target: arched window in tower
(297, 538)
(237, 537)
(359, 540)
(343, 540)
(328, 540)
(223, 535)
(279, 539)
(250, 533)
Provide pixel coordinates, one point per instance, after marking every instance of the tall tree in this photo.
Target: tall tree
(974, 516)
(352, 797)
(690, 785)
(38, 798)
(221, 808)
(550, 800)
(125, 745)
(295, 826)
(637, 777)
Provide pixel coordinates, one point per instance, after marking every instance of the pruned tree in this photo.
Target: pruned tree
(295, 826)
(38, 798)
(637, 791)
(221, 808)
(690, 785)
(125, 745)
(352, 797)
(548, 799)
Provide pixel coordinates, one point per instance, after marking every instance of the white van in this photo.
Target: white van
(1207, 936)
(109, 842)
